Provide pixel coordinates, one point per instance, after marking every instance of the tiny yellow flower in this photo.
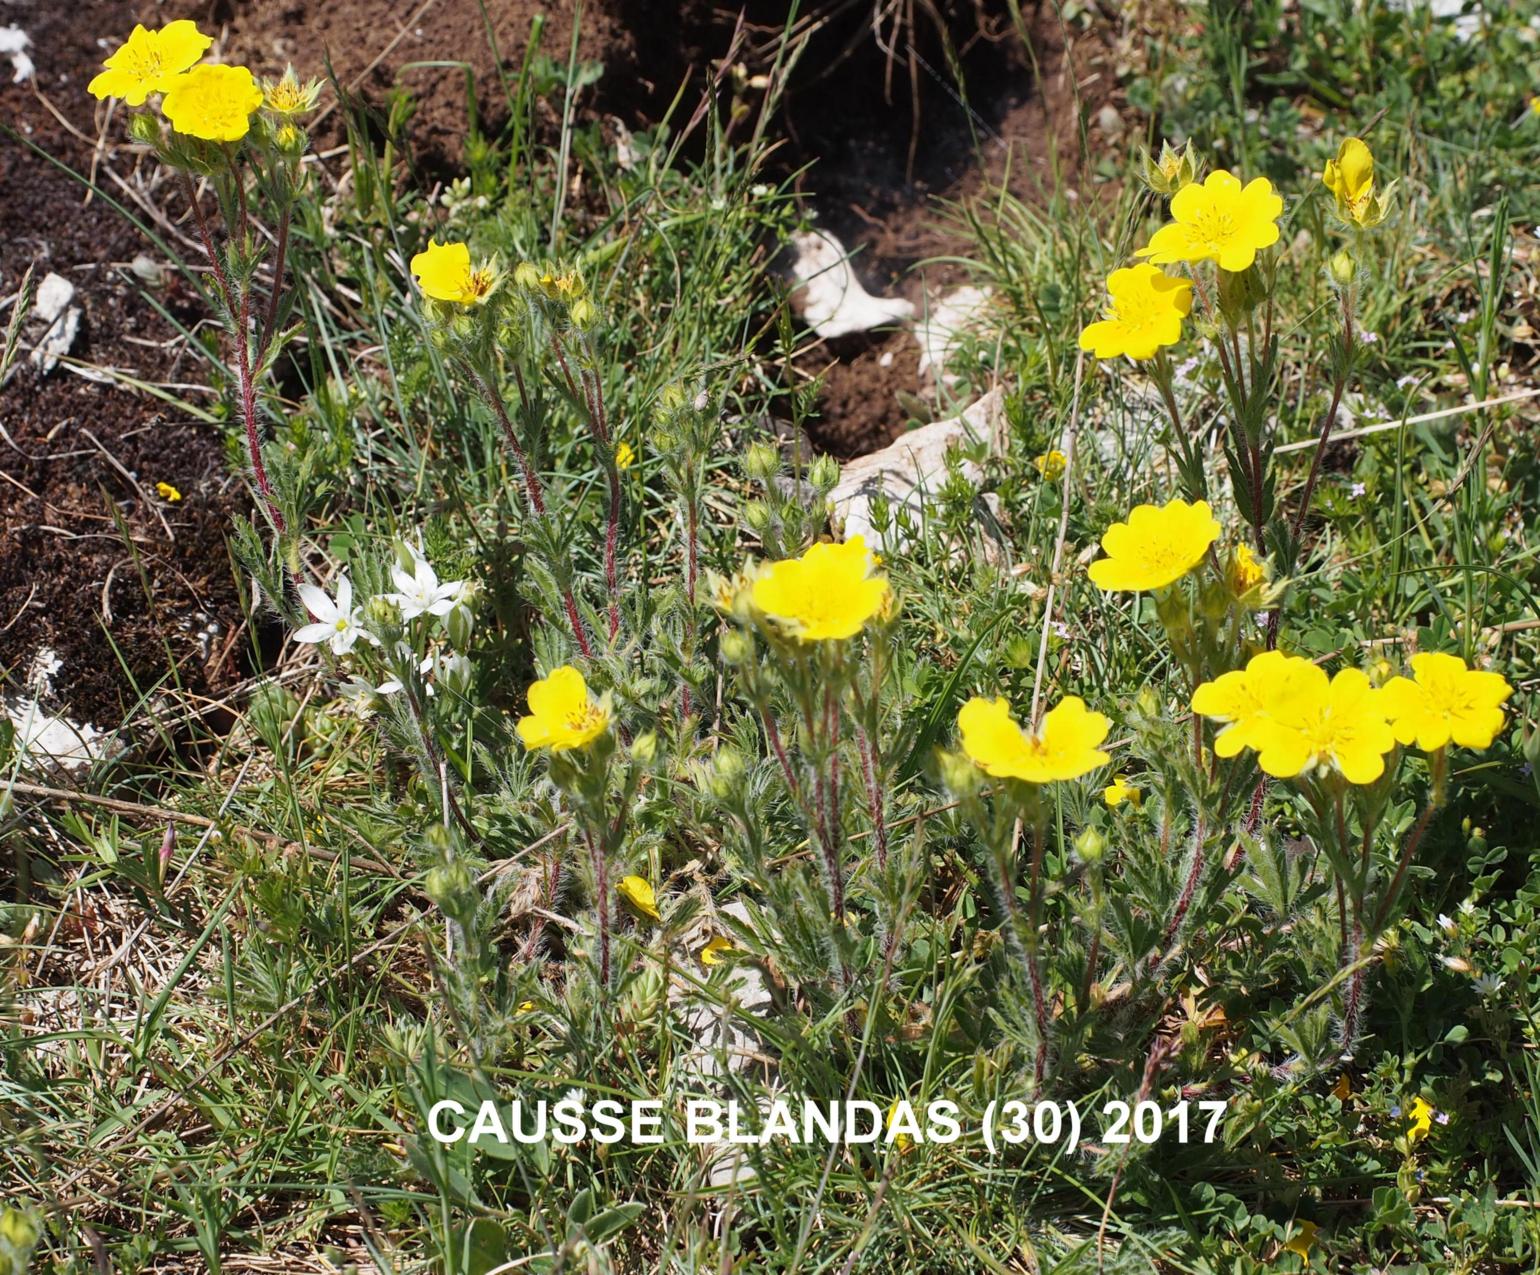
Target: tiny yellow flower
(1343, 1089)
(562, 715)
(1051, 465)
(625, 456)
(827, 594)
(288, 97)
(212, 102)
(1421, 1116)
(1246, 572)
(901, 1140)
(638, 892)
(1445, 702)
(1218, 220)
(444, 272)
(1066, 745)
(1249, 700)
(1119, 791)
(1350, 177)
(526, 1007)
(149, 62)
(717, 951)
(168, 493)
(1145, 312)
(1156, 547)
(1300, 1242)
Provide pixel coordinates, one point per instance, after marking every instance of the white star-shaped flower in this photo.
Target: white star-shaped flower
(338, 623)
(419, 592)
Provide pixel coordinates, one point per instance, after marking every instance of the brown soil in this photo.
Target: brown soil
(131, 592)
(859, 409)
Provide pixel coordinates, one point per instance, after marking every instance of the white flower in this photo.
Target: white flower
(420, 593)
(1487, 984)
(1358, 490)
(339, 623)
(1447, 924)
(393, 685)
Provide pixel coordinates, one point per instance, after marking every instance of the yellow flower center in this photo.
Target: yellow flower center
(584, 719)
(1214, 227)
(342, 624)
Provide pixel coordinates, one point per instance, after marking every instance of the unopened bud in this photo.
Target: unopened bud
(757, 515)
(736, 648)
(1343, 268)
(824, 472)
(958, 773)
(761, 462)
(644, 749)
(1090, 845)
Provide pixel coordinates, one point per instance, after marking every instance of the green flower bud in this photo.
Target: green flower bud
(1090, 845)
(757, 515)
(456, 674)
(958, 774)
(727, 772)
(761, 462)
(582, 313)
(526, 275)
(644, 750)
(823, 473)
(447, 882)
(736, 648)
(672, 398)
(1342, 268)
(381, 612)
(145, 129)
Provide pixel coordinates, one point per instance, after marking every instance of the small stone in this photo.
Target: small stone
(53, 296)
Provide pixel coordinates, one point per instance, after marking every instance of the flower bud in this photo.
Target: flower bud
(727, 772)
(145, 129)
(447, 882)
(1090, 845)
(737, 648)
(824, 472)
(582, 313)
(1342, 268)
(526, 276)
(959, 775)
(644, 749)
(761, 462)
(381, 612)
(672, 398)
(460, 624)
(455, 674)
(757, 515)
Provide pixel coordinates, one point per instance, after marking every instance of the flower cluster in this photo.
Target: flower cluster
(205, 100)
(1300, 722)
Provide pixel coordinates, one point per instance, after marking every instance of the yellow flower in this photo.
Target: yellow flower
(526, 1007)
(638, 892)
(1248, 699)
(1050, 465)
(1445, 702)
(903, 1141)
(625, 456)
(1300, 1242)
(717, 951)
(1421, 1116)
(149, 61)
(212, 102)
(1246, 572)
(1065, 746)
(562, 714)
(1119, 791)
(168, 493)
(1157, 546)
(1343, 1089)
(829, 593)
(1350, 177)
(1338, 726)
(444, 272)
(288, 97)
(1146, 312)
(1219, 220)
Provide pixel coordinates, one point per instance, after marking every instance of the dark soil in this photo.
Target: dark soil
(859, 409)
(132, 592)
